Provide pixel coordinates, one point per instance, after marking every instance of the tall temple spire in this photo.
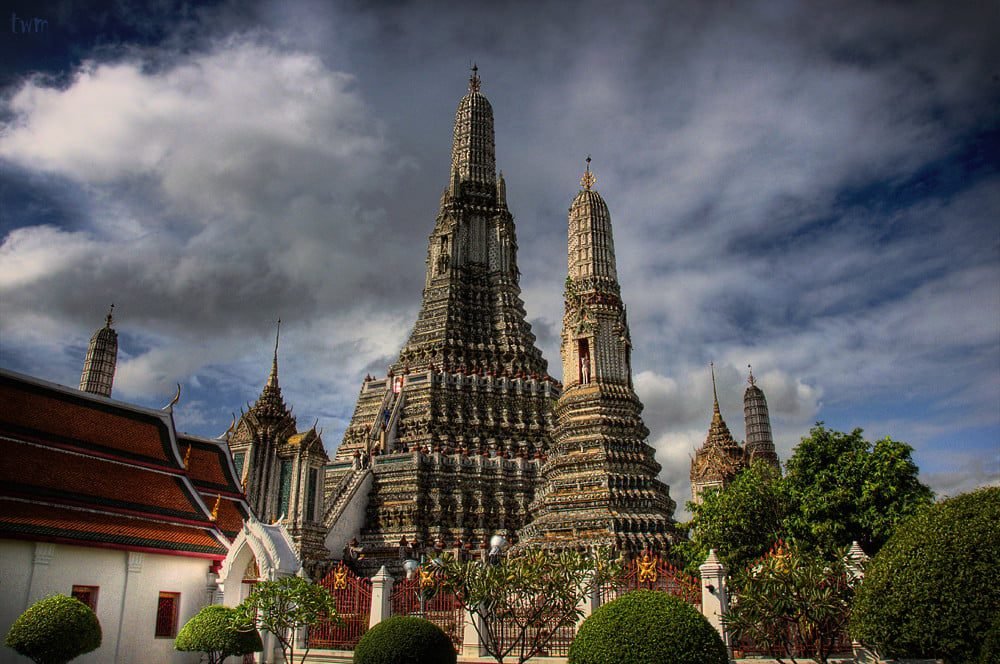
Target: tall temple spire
(600, 480)
(98, 374)
(472, 315)
(759, 442)
(473, 151)
(720, 458)
(270, 404)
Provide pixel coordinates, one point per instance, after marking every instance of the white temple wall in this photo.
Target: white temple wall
(129, 585)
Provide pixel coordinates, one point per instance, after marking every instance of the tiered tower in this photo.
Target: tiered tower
(600, 486)
(759, 443)
(720, 458)
(282, 469)
(469, 401)
(102, 355)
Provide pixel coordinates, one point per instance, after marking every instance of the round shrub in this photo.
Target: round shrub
(405, 640)
(647, 626)
(931, 591)
(213, 631)
(54, 630)
(990, 652)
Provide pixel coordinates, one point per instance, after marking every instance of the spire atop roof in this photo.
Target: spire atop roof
(589, 179)
(715, 394)
(109, 320)
(474, 81)
(272, 380)
(751, 379)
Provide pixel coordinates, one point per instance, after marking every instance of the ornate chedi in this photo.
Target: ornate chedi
(282, 469)
(455, 426)
(720, 458)
(759, 442)
(600, 486)
(102, 355)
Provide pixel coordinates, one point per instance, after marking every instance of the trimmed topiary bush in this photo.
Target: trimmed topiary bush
(54, 630)
(931, 591)
(647, 626)
(990, 652)
(213, 632)
(405, 640)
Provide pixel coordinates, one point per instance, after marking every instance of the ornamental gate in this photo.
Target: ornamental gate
(353, 595)
(651, 572)
(423, 596)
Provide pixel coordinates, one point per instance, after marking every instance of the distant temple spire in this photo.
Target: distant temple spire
(102, 355)
(715, 393)
(720, 458)
(759, 443)
(272, 380)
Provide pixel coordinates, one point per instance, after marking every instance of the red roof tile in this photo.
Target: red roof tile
(21, 519)
(53, 474)
(207, 466)
(82, 421)
(230, 516)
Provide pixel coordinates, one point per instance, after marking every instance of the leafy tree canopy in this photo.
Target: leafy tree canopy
(284, 606)
(55, 630)
(213, 631)
(530, 596)
(932, 590)
(838, 488)
(741, 522)
(843, 488)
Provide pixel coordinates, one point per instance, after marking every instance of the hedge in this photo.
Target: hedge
(55, 630)
(405, 640)
(647, 626)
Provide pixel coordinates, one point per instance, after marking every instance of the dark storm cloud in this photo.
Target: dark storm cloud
(810, 189)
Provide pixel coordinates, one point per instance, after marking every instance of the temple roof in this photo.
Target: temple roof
(87, 470)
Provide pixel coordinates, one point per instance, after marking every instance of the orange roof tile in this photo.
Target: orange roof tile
(85, 422)
(53, 474)
(207, 465)
(21, 519)
(230, 516)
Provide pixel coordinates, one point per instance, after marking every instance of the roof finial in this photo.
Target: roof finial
(474, 81)
(273, 378)
(715, 394)
(589, 179)
(751, 379)
(110, 318)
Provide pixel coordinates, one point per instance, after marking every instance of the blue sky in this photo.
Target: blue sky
(811, 189)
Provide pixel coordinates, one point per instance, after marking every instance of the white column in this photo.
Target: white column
(39, 570)
(131, 611)
(471, 644)
(588, 604)
(714, 598)
(381, 594)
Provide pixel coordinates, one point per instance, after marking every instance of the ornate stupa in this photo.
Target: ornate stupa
(759, 442)
(467, 406)
(720, 458)
(600, 486)
(102, 355)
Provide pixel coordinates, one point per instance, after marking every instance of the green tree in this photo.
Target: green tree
(213, 631)
(741, 522)
(55, 630)
(283, 607)
(532, 595)
(793, 601)
(932, 590)
(405, 640)
(647, 626)
(842, 488)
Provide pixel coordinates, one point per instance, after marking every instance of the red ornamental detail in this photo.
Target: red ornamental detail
(439, 606)
(650, 572)
(353, 595)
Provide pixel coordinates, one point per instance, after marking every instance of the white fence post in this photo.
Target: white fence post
(471, 644)
(714, 597)
(381, 594)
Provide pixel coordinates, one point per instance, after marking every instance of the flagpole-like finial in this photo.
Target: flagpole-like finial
(588, 180)
(110, 318)
(751, 379)
(474, 80)
(715, 394)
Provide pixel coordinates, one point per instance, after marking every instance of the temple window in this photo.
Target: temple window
(87, 595)
(167, 609)
(584, 361)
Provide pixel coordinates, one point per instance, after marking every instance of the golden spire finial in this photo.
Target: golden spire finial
(751, 379)
(215, 508)
(187, 457)
(109, 318)
(589, 179)
(474, 81)
(715, 394)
